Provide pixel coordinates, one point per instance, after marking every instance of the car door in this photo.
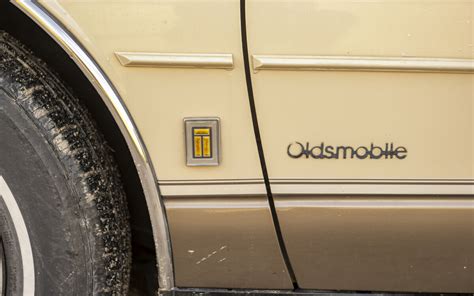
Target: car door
(178, 67)
(365, 111)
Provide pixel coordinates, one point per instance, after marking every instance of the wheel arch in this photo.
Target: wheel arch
(71, 61)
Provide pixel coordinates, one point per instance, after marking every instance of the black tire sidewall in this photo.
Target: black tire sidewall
(49, 206)
(13, 279)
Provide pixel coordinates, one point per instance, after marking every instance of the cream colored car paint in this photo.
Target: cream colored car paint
(369, 224)
(337, 108)
(430, 114)
(159, 98)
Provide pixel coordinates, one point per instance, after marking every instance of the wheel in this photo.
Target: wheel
(64, 226)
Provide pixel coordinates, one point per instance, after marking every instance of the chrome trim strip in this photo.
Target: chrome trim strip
(120, 113)
(372, 64)
(175, 60)
(213, 189)
(376, 203)
(21, 231)
(372, 189)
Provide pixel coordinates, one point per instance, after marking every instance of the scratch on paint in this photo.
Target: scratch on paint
(212, 254)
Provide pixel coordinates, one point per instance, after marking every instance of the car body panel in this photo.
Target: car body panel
(362, 74)
(158, 98)
(396, 243)
(225, 242)
(428, 113)
(406, 78)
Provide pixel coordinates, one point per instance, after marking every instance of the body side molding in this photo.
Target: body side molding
(362, 64)
(111, 98)
(175, 60)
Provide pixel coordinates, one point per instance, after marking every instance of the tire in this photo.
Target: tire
(63, 216)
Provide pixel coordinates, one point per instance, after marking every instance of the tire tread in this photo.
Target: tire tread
(85, 157)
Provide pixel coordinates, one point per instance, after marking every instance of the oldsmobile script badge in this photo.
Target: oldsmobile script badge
(323, 151)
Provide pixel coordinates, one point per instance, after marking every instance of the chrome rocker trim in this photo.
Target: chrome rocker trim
(112, 99)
